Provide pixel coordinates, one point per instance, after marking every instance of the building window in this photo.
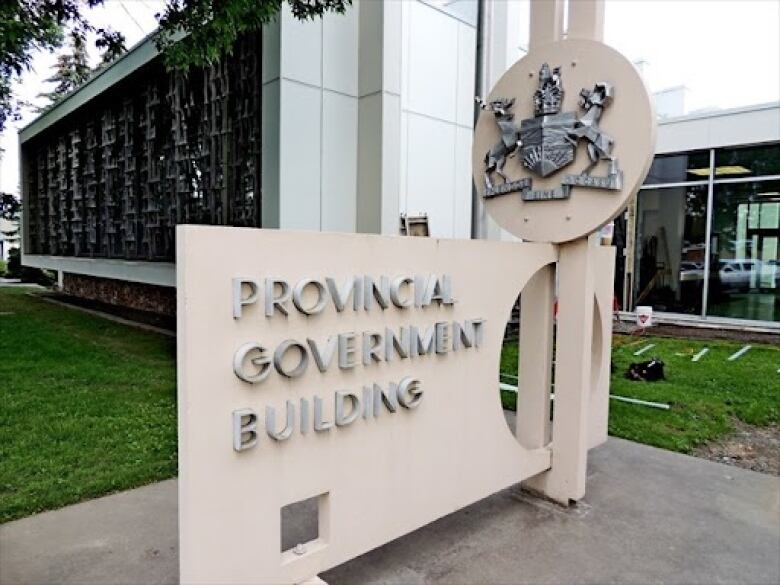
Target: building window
(744, 267)
(679, 168)
(670, 250)
(751, 161)
(671, 257)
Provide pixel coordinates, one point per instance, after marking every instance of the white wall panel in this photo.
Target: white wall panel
(726, 128)
(299, 140)
(461, 227)
(403, 193)
(432, 62)
(431, 172)
(406, 18)
(340, 51)
(391, 162)
(301, 48)
(339, 162)
(467, 49)
(271, 50)
(270, 155)
(369, 163)
(391, 46)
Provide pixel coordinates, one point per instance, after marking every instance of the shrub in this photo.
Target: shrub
(15, 269)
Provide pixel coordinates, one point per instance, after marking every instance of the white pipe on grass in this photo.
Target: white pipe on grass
(644, 349)
(660, 405)
(740, 353)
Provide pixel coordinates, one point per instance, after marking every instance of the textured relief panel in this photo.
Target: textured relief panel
(114, 178)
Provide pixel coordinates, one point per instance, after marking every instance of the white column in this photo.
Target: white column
(546, 21)
(379, 117)
(565, 481)
(535, 360)
(586, 20)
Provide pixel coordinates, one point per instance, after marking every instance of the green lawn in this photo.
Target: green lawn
(705, 396)
(88, 406)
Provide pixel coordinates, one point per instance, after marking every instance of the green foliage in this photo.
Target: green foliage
(198, 32)
(705, 396)
(88, 406)
(71, 70)
(192, 33)
(14, 269)
(10, 206)
(3, 266)
(27, 26)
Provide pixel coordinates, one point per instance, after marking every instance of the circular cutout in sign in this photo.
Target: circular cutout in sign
(565, 138)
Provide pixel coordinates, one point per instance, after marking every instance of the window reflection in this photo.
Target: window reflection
(670, 252)
(678, 168)
(750, 161)
(745, 272)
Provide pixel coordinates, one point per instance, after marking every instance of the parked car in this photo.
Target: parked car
(738, 274)
(691, 271)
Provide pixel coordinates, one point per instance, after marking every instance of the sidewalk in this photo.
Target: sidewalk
(650, 516)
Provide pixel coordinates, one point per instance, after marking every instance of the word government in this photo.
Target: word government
(254, 361)
(310, 296)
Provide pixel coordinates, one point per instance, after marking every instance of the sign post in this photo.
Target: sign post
(565, 139)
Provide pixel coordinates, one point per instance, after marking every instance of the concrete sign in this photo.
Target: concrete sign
(358, 370)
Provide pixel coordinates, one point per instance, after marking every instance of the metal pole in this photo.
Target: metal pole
(481, 86)
(708, 236)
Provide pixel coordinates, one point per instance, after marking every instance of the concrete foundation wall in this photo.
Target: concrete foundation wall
(135, 295)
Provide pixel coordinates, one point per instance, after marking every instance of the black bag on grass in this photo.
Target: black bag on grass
(650, 371)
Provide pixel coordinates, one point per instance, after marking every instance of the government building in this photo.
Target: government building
(363, 123)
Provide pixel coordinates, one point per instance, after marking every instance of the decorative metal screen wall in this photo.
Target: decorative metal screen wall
(157, 149)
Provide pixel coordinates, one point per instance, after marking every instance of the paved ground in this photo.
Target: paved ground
(18, 283)
(650, 516)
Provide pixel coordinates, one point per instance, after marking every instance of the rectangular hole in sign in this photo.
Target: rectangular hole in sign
(301, 523)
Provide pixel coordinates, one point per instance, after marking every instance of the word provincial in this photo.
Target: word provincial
(255, 361)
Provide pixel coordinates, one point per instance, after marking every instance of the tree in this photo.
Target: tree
(71, 70)
(10, 209)
(198, 32)
(30, 25)
(192, 32)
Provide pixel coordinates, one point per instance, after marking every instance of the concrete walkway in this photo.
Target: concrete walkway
(650, 516)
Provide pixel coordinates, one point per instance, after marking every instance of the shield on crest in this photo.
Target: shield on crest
(546, 143)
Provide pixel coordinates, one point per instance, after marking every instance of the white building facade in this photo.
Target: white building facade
(366, 117)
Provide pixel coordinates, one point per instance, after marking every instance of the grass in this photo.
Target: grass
(705, 396)
(88, 406)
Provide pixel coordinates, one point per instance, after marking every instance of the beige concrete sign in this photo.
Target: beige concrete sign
(360, 372)
(358, 369)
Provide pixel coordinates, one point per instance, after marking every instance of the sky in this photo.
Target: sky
(726, 52)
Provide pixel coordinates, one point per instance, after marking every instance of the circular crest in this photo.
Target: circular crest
(565, 138)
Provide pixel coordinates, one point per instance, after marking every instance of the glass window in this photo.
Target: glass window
(678, 168)
(744, 267)
(670, 250)
(752, 161)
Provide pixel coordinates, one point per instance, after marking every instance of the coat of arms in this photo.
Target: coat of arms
(548, 141)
